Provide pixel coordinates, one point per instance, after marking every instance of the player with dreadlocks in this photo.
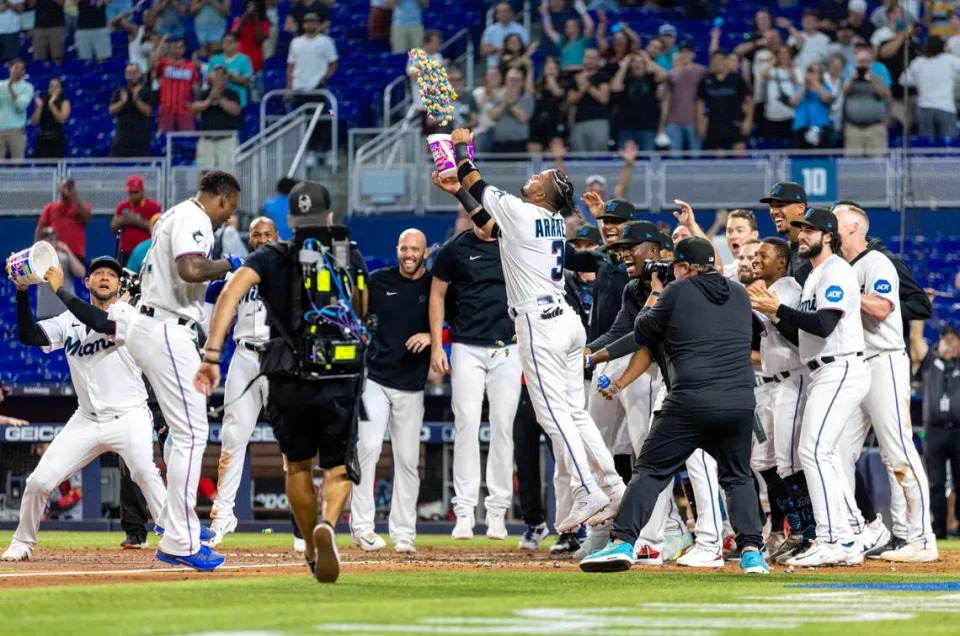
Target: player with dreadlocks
(550, 336)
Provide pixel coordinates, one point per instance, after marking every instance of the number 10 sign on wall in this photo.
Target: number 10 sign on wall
(817, 176)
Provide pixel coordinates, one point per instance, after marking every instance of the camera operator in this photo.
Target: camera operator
(703, 322)
(308, 412)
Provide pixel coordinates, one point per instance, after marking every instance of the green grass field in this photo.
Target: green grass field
(472, 600)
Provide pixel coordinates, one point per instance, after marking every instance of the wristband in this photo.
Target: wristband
(655, 293)
(464, 168)
(589, 362)
(467, 201)
(461, 151)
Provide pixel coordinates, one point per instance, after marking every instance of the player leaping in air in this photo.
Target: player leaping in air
(550, 336)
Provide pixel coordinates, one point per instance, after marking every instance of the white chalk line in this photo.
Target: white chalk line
(145, 570)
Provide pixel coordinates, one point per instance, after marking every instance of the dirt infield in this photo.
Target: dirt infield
(59, 567)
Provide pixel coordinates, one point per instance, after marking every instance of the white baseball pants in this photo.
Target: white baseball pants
(167, 355)
(474, 370)
(82, 440)
(763, 455)
(239, 420)
(402, 413)
(563, 485)
(789, 397)
(833, 399)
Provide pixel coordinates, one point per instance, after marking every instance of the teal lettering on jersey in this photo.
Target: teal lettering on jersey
(550, 228)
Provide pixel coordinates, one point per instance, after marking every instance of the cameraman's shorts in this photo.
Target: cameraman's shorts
(313, 417)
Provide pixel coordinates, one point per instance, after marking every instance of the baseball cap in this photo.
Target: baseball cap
(586, 233)
(619, 210)
(857, 6)
(667, 29)
(311, 17)
(637, 232)
(819, 219)
(135, 183)
(666, 243)
(105, 261)
(946, 329)
(596, 178)
(786, 192)
(694, 251)
(308, 197)
(844, 26)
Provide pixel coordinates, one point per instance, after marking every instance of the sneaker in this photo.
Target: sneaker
(597, 539)
(823, 552)
(701, 557)
(369, 541)
(463, 529)
(299, 545)
(220, 529)
(532, 537)
(675, 544)
(615, 557)
(496, 526)
(203, 560)
(567, 543)
(17, 552)
(751, 562)
(645, 554)
(404, 546)
(794, 545)
(134, 542)
(895, 543)
(873, 535)
(774, 541)
(585, 506)
(911, 553)
(327, 559)
(582, 533)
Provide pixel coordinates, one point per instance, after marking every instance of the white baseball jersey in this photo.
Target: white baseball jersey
(730, 271)
(251, 317)
(183, 229)
(878, 277)
(832, 286)
(532, 244)
(107, 381)
(777, 354)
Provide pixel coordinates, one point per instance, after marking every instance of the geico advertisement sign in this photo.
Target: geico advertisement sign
(31, 433)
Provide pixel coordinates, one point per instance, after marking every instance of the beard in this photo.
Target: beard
(813, 250)
(746, 277)
(101, 296)
(411, 269)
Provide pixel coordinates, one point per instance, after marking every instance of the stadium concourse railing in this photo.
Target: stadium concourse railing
(394, 176)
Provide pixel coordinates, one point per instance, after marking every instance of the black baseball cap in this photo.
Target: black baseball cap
(695, 251)
(587, 233)
(619, 210)
(786, 192)
(819, 219)
(308, 197)
(637, 232)
(666, 243)
(947, 328)
(105, 261)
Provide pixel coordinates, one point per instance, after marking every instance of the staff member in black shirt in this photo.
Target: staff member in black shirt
(397, 364)
(307, 416)
(788, 203)
(703, 322)
(469, 291)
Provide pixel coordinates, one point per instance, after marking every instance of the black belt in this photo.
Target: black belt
(149, 311)
(776, 377)
(883, 353)
(816, 363)
(249, 346)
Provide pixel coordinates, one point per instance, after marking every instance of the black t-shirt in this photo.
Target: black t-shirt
(896, 67)
(637, 106)
(608, 290)
(214, 118)
(477, 295)
(588, 108)
(723, 99)
(49, 14)
(401, 307)
(300, 9)
(91, 14)
(131, 123)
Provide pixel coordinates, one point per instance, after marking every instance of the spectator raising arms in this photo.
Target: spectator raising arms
(482, 103)
(132, 217)
(132, 106)
(209, 22)
(933, 75)
(239, 66)
(811, 103)
(667, 36)
(637, 114)
(171, 16)
(549, 110)
(48, 33)
(406, 28)
(622, 42)
(495, 35)
(511, 111)
(724, 106)
(679, 113)
(516, 55)
(779, 85)
(179, 82)
(575, 39)
(810, 43)
(219, 111)
(591, 98)
(142, 39)
(51, 112)
(866, 108)
(15, 96)
(67, 217)
(252, 29)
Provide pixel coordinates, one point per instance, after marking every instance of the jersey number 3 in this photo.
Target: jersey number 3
(558, 248)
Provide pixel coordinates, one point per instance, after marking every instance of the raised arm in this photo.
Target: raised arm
(547, 24)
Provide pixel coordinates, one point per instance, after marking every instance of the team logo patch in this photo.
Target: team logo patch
(882, 286)
(834, 294)
(198, 237)
(304, 203)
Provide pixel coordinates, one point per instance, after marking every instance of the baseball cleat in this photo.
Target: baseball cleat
(751, 562)
(203, 560)
(532, 537)
(585, 506)
(17, 552)
(299, 545)
(404, 546)
(597, 539)
(774, 541)
(645, 554)
(895, 543)
(823, 552)
(134, 542)
(616, 557)
(221, 528)
(675, 544)
(794, 545)
(610, 510)
(206, 534)
(911, 553)
(496, 526)
(327, 560)
(369, 541)
(567, 543)
(701, 557)
(874, 534)
(463, 529)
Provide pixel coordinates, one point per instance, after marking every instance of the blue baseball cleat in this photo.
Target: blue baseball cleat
(616, 557)
(203, 560)
(751, 562)
(206, 534)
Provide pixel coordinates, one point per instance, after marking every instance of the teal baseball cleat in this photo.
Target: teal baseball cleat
(616, 557)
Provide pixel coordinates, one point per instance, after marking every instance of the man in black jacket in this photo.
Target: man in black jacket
(703, 322)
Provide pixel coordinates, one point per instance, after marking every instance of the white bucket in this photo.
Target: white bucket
(28, 267)
(441, 147)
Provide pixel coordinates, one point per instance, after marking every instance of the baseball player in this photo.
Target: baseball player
(788, 203)
(162, 339)
(242, 401)
(887, 405)
(112, 413)
(741, 230)
(831, 345)
(549, 334)
(468, 277)
(397, 365)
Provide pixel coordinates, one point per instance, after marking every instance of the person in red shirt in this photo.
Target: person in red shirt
(179, 82)
(68, 218)
(132, 218)
(252, 29)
